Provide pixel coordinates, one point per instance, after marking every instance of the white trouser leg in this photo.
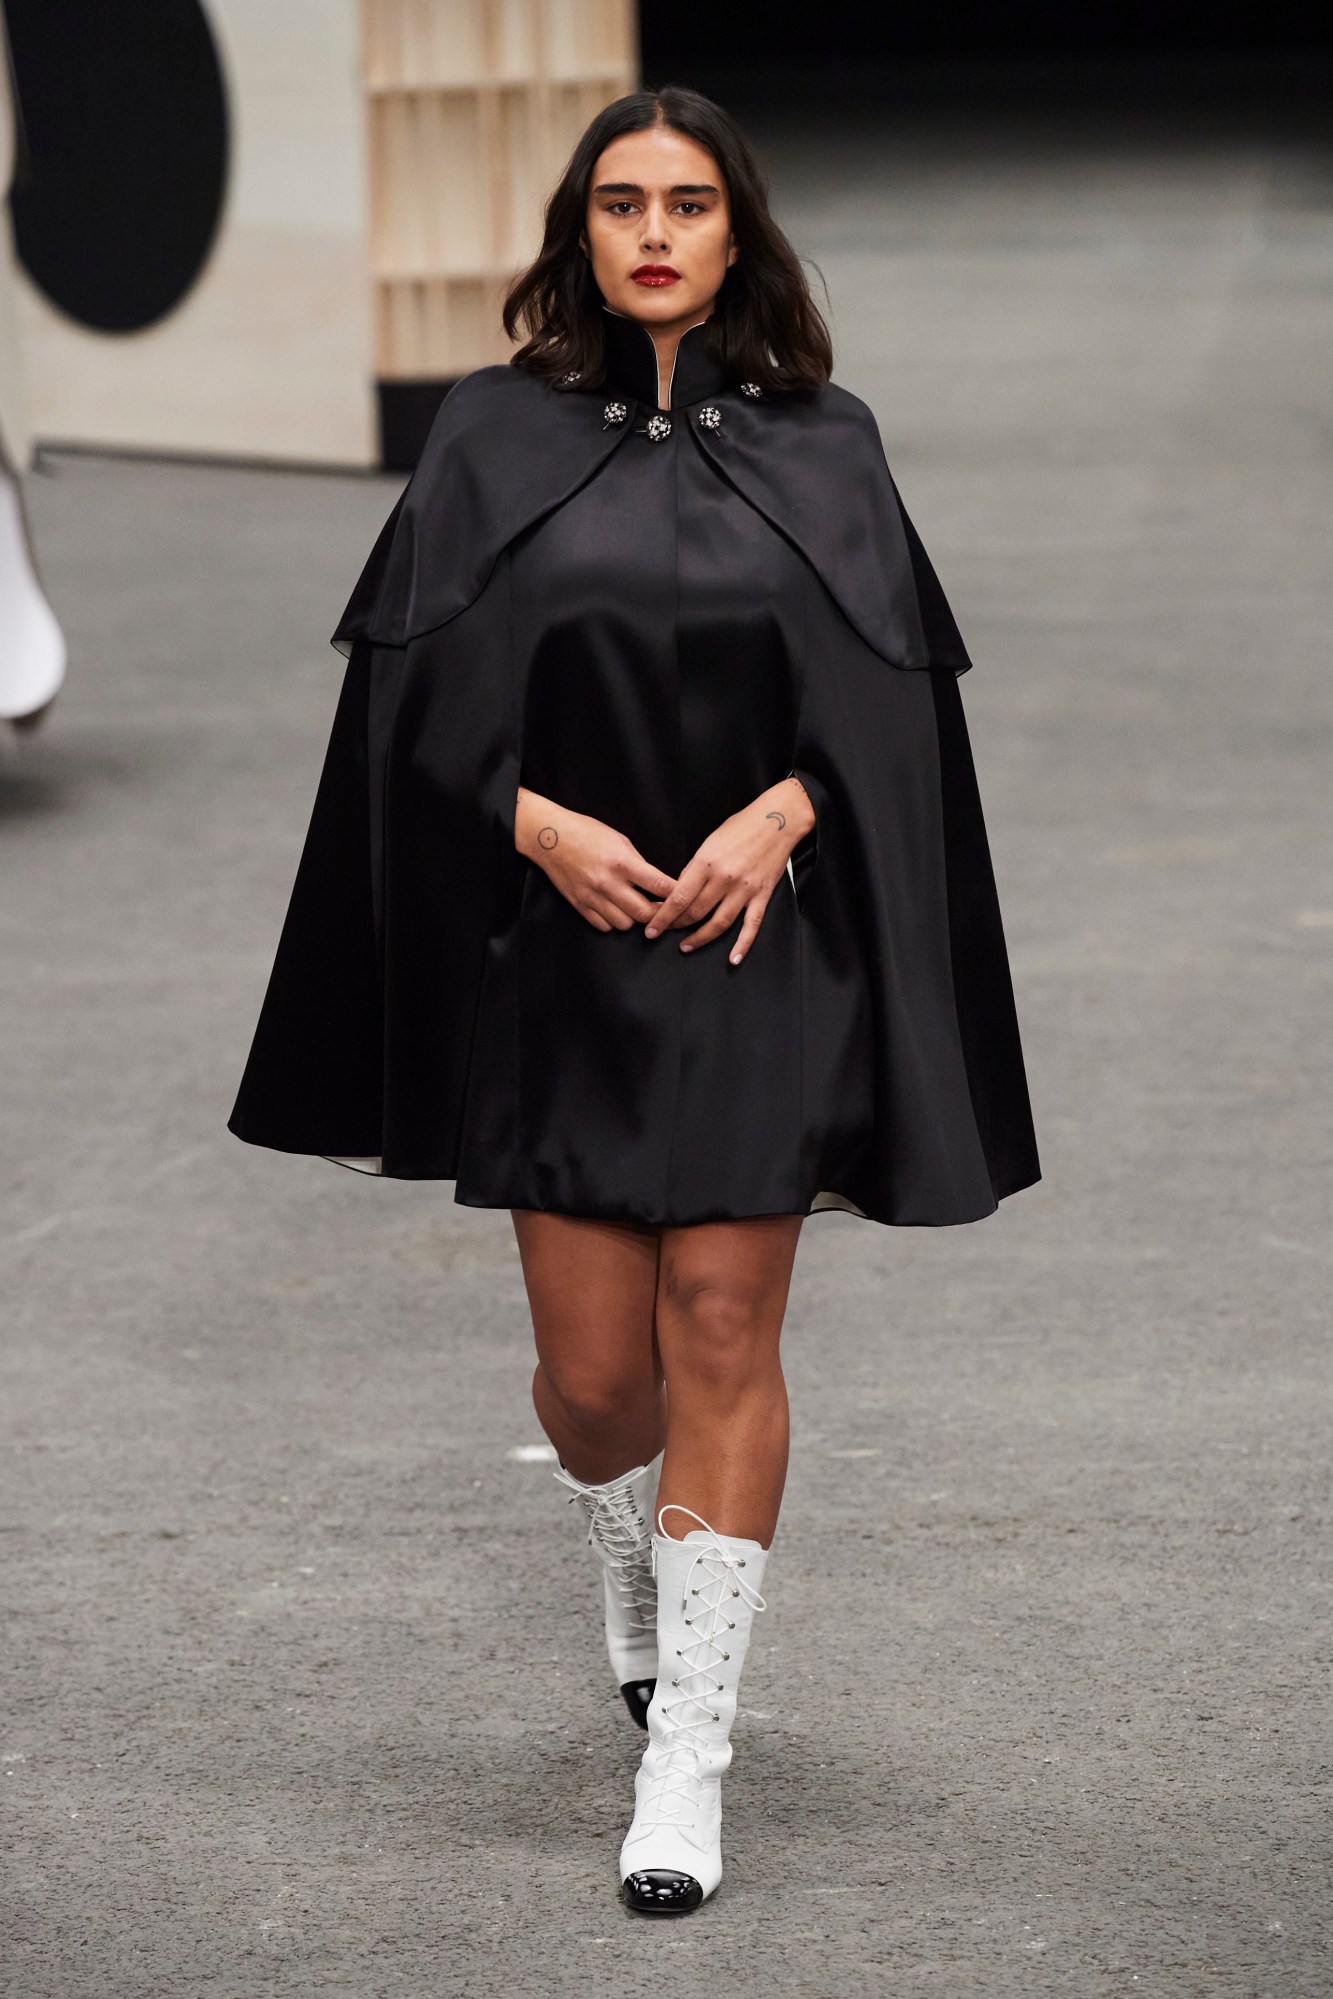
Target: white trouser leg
(707, 1595)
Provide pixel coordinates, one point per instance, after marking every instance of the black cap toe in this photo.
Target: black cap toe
(637, 1696)
(657, 1891)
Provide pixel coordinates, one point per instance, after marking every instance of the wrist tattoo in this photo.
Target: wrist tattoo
(791, 778)
(548, 837)
(781, 818)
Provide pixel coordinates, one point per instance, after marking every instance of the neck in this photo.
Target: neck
(666, 339)
(665, 366)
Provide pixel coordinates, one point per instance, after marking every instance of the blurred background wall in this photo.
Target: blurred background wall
(838, 32)
(281, 231)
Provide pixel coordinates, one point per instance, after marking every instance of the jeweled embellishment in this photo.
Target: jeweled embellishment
(751, 389)
(615, 412)
(568, 381)
(659, 427)
(710, 417)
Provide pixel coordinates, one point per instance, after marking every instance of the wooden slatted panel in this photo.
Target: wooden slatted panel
(473, 108)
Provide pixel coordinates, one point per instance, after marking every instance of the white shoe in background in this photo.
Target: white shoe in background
(32, 646)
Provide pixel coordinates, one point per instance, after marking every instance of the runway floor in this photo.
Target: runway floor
(305, 1692)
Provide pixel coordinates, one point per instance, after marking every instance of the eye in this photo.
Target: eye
(619, 207)
(692, 207)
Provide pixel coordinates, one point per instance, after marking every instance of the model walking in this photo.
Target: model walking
(647, 890)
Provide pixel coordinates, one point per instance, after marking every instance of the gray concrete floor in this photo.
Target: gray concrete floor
(304, 1690)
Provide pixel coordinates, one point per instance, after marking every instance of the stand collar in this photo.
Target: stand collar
(631, 363)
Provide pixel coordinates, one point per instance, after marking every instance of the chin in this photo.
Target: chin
(654, 306)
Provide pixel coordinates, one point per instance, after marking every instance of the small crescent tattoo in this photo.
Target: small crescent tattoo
(781, 818)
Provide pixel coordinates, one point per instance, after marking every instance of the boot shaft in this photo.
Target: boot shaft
(707, 1596)
(618, 1513)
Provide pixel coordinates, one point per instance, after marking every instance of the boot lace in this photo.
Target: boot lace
(712, 1582)
(618, 1532)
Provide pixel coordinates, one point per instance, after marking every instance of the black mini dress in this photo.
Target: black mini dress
(661, 623)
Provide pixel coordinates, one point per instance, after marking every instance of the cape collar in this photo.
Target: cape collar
(631, 363)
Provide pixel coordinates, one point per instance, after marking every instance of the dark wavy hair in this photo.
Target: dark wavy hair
(765, 326)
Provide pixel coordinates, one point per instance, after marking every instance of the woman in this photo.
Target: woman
(647, 891)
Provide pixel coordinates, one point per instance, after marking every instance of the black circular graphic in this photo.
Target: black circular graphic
(122, 164)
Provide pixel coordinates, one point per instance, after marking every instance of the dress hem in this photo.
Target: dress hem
(827, 1201)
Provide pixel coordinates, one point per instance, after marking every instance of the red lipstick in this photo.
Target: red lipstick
(655, 274)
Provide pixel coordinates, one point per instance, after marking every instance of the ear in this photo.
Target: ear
(732, 252)
(583, 242)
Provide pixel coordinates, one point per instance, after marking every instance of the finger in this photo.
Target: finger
(652, 880)
(707, 900)
(605, 899)
(620, 905)
(582, 903)
(590, 910)
(715, 890)
(692, 880)
(722, 919)
(638, 908)
(754, 916)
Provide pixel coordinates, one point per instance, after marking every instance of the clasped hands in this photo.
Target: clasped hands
(603, 875)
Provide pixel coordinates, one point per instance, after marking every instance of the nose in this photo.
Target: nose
(654, 235)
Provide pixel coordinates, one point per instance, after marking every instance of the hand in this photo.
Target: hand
(737, 868)
(596, 869)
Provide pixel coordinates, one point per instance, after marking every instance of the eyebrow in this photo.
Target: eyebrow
(632, 187)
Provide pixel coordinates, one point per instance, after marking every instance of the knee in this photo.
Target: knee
(592, 1400)
(718, 1336)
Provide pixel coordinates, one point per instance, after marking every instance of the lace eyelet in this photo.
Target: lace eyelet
(716, 1715)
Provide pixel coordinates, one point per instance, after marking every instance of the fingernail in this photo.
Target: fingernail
(735, 957)
(650, 933)
(687, 947)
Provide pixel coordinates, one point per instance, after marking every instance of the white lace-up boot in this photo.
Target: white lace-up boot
(707, 1594)
(620, 1532)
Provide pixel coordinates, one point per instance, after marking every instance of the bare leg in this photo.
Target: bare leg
(598, 1387)
(721, 1295)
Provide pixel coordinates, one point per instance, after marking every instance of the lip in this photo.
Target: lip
(655, 274)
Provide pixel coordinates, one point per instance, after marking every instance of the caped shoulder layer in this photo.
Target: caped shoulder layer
(506, 449)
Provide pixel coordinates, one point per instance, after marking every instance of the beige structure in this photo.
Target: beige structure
(474, 107)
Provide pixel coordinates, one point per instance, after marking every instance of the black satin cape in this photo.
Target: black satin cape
(365, 1041)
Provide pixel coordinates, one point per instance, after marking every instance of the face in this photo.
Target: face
(658, 228)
